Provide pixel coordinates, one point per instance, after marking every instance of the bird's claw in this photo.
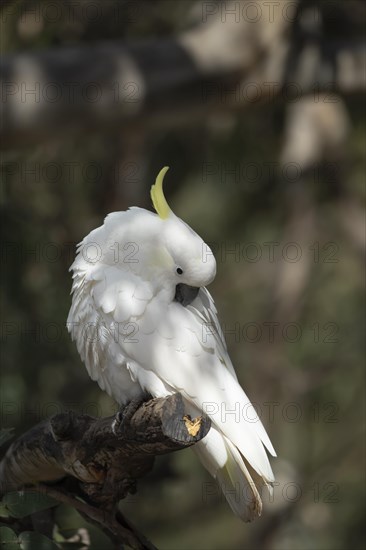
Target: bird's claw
(124, 416)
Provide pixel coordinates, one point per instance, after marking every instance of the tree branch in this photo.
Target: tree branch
(111, 522)
(100, 460)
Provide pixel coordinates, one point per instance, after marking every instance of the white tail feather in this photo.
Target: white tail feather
(224, 462)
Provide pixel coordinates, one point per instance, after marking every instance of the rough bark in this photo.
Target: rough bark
(100, 459)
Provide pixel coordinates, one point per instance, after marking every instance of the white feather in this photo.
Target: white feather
(148, 342)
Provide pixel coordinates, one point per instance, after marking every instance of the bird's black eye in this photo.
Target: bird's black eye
(179, 270)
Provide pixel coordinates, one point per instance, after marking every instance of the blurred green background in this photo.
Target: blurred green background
(289, 288)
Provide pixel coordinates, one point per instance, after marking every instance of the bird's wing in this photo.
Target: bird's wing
(205, 307)
(187, 358)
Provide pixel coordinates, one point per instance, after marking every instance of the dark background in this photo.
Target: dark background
(276, 186)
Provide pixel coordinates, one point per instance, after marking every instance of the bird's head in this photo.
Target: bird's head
(188, 259)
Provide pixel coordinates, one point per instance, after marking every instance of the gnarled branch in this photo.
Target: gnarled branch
(100, 459)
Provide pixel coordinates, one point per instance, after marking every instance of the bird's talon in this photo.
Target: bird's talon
(124, 416)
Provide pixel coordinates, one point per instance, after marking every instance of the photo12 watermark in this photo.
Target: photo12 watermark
(51, 12)
(289, 492)
(270, 251)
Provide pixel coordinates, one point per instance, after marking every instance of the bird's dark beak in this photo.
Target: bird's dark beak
(185, 294)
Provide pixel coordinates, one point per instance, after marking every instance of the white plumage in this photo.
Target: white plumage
(135, 334)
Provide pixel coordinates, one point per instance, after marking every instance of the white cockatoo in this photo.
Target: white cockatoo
(144, 322)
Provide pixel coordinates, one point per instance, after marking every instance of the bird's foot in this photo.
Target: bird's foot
(121, 422)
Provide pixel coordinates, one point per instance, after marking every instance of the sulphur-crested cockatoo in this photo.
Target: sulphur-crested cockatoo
(143, 321)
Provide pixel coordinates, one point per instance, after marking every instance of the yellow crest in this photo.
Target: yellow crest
(157, 195)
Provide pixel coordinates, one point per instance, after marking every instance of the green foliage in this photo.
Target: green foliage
(8, 538)
(19, 504)
(30, 540)
(70, 531)
(27, 540)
